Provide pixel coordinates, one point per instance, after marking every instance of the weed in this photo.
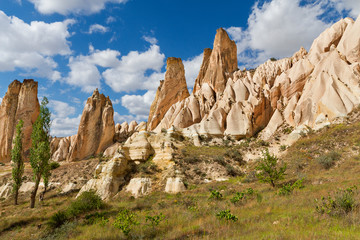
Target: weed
(220, 160)
(215, 194)
(58, 219)
(125, 220)
(225, 214)
(328, 160)
(287, 189)
(155, 220)
(87, 201)
(54, 165)
(283, 147)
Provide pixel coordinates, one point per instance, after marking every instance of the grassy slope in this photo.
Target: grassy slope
(191, 215)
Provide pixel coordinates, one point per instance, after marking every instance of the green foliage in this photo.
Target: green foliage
(17, 159)
(125, 220)
(287, 189)
(235, 155)
(86, 202)
(155, 220)
(96, 218)
(215, 194)
(220, 160)
(273, 59)
(283, 148)
(54, 165)
(58, 219)
(40, 152)
(269, 171)
(242, 196)
(225, 214)
(342, 203)
(328, 160)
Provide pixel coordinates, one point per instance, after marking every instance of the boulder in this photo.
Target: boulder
(174, 185)
(139, 187)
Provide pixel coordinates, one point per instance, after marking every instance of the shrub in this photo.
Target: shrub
(341, 204)
(235, 155)
(125, 220)
(225, 214)
(58, 219)
(220, 160)
(155, 220)
(54, 165)
(328, 160)
(96, 218)
(288, 188)
(215, 194)
(87, 201)
(269, 171)
(283, 148)
(241, 196)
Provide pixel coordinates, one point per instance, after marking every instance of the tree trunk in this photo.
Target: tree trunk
(16, 196)
(33, 193)
(272, 183)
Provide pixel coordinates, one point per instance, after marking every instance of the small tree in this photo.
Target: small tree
(40, 149)
(17, 160)
(269, 171)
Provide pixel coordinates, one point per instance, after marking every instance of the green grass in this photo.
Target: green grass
(193, 214)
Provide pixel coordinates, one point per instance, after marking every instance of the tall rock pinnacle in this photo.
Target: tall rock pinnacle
(172, 90)
(20, 102)
(218, 64)
(96, 129)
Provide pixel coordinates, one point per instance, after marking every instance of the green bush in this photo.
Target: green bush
(220, 160)
(95, 218)
(235, 155)
(287, 189)
(242, 196)
(155, 220)
(269, 171)
(225, 214)
(58, 219)
(215, 194)
(86, 202)
(125, 220)
(54, 165)
(342, 203)
(328, 160)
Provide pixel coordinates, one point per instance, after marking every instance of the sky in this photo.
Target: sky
(72, 47)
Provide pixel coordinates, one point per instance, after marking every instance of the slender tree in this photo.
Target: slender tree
(17, 160)
(40, 149)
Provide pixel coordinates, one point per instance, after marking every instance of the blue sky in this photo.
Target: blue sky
(72, 47)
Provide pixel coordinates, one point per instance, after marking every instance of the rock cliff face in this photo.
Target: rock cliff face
(172, 90)
(305, 89)
(96, 130)
(20, 102)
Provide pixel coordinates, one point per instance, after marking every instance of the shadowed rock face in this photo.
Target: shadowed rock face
(20, 102)
(172, 90)
(96, 130)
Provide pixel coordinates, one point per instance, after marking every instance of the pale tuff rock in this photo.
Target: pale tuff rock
(61, 147)
(124, 130)
(171, 90)
(110, 176)
(137, 147)
(6, 190)
(139, 187)
(349, 44)
(174, 185)
(112, 150)
(20, 102)
(96, 130)
(275, 122)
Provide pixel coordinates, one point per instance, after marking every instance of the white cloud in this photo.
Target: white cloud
(192, 68)
(128, 118)
(278, 29)
(61, 109)
(31, 47)
(110, 19)
(150, 40)
(65, 7)
(130, 73)
(63, 127)
(83, 69)
(97, 28)
(353, 6)
(116, 101)
(138, 105)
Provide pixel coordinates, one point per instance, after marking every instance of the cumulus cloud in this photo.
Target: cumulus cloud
(130, 74)
(353, 6)
(278, 29)
(150, 40)
(84, 72)
(118, 118)
(97, 28)
(63, 127)
(61, 109)
(65, 7)
(31, 47)
(138, 105)
(192, 68)
(110, 19)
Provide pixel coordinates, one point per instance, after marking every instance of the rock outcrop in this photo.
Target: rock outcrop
(61, 148)
(139, 187)
(96, 130)
(305, 89)
(20, 102)
(171, 90)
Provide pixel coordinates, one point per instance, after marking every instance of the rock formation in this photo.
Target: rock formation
(61, 148)
(96, 130)
(20, 102)
(171, 90)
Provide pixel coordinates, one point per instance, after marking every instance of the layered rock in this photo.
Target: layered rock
(96, 130)
(61, 148)
(171, 90)
(20, 102)
(124, 130)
